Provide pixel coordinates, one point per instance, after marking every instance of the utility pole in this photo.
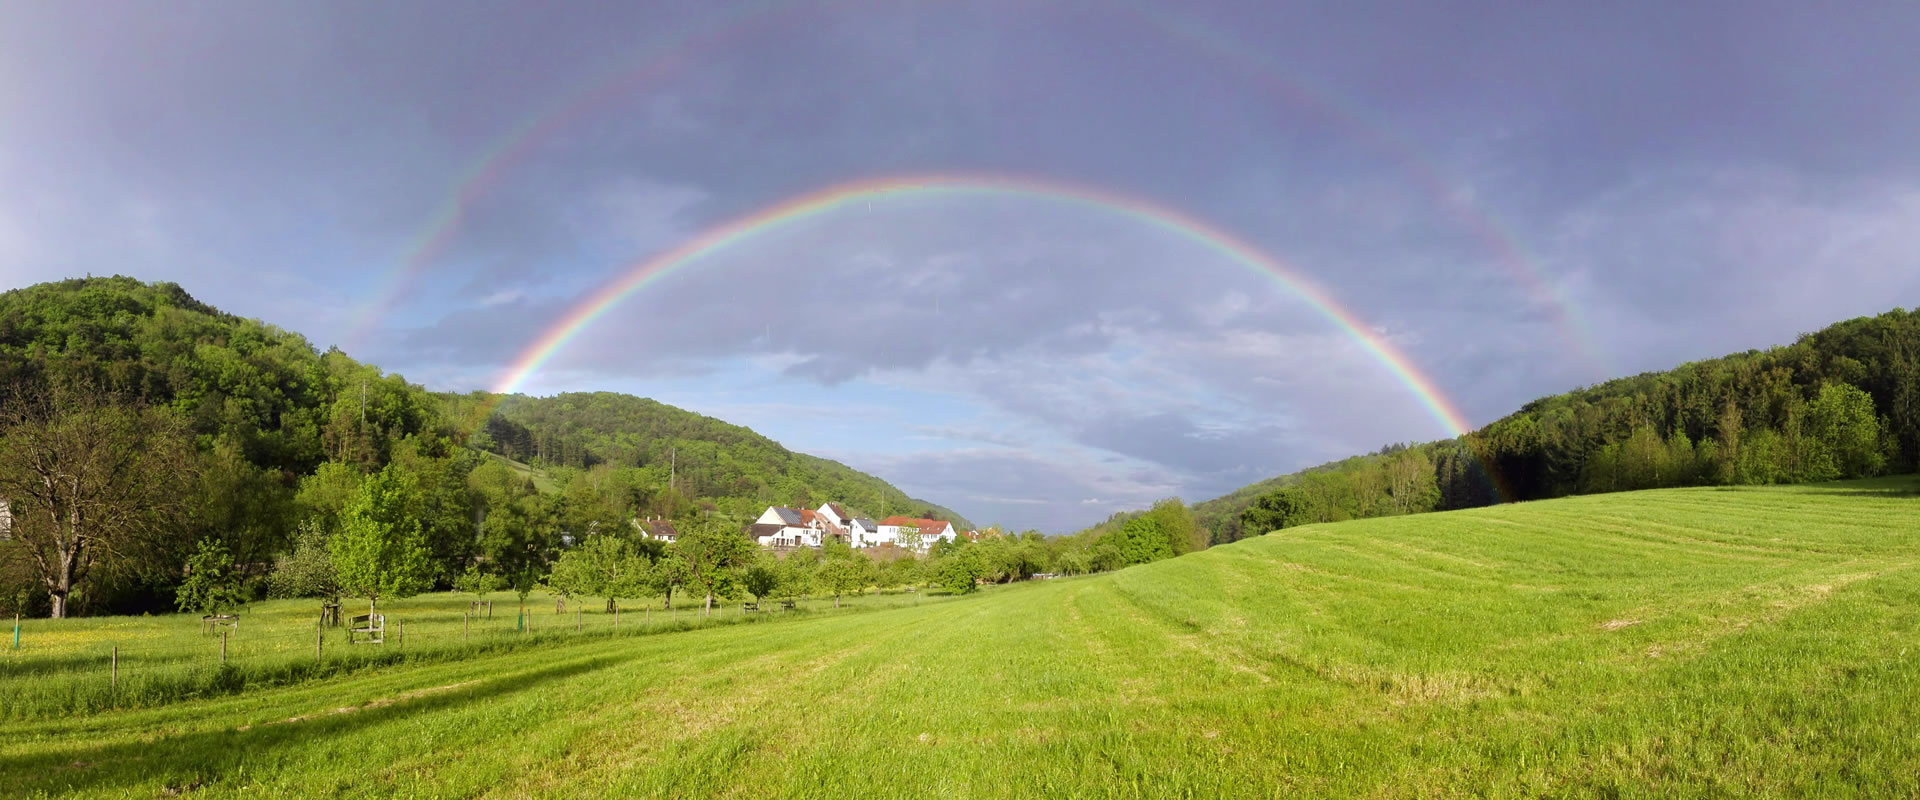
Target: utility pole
(673, 466)
(363, 403)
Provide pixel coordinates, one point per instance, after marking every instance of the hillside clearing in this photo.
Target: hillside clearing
(1675, 642)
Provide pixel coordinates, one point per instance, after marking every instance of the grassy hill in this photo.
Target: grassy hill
(1841, 402)
(1681, 642)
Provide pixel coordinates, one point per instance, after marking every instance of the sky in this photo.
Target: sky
(1507, 200)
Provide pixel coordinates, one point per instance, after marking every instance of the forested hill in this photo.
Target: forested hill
(1838, 403)
(263, 435)
(725, 467)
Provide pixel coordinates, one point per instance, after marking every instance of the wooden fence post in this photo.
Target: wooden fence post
(616, 618)
(576, 620)
(116, 668)
(223, 648)
(403, 632)
(466, 625)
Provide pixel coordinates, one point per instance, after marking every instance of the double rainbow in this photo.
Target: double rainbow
(641, 274)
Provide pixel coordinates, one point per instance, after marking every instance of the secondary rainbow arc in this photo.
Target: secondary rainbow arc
(674, 49)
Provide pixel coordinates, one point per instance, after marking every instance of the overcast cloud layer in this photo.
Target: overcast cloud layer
(1520, 198)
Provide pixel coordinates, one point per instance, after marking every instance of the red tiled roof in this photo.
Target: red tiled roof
(840, 510)
(925, 525)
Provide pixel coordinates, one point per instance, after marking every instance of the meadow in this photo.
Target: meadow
(1677, 642)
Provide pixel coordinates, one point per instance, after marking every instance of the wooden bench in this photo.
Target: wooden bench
(475, 606)
(750, 606)
(372, 627)
(786, 605)
(212, 622)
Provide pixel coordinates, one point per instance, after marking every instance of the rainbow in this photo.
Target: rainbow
(814, 204)
(673, 51)
(508, 151)
(1501, 242)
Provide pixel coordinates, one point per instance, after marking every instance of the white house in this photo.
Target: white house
(864, 532)
(658, 529)
(930, 530)
(780, 526)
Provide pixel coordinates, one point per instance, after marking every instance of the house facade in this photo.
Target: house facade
(660, 529)
(929, 530)
(780, 526)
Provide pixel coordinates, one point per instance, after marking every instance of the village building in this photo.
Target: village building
(930, 530)
(780, 526)
(660, 529)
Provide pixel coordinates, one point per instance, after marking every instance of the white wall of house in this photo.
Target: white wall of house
(890, 534)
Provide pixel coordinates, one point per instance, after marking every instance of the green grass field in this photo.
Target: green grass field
(1694, 642)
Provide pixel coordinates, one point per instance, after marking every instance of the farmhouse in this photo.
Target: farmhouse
(780, 526)
(658, 529)
(930, 530)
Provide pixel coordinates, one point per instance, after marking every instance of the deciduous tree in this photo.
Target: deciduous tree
(94, 484)
(380, 550)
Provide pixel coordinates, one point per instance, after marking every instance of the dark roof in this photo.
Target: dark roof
(865, 523)
(754, 532)
(662, 529)
(791, 516)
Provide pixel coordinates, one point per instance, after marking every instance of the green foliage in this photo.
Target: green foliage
(841, 576)
(478, 582)
(308, 570)
(762, 577)
(714, 554)
(670, 460)
(1843, 422)
(958, 571)
(1143, 539)
(798, 574)
(212, 584)
(603, 566)
(380, 550)
(1274, 511)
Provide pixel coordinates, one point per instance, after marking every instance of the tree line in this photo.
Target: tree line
(1843, 402)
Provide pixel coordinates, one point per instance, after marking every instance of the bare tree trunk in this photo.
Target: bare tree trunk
(62, 586)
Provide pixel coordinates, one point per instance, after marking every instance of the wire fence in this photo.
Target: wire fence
(132, 671)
